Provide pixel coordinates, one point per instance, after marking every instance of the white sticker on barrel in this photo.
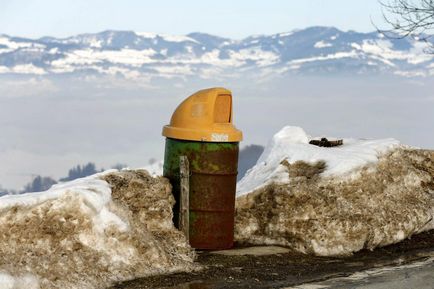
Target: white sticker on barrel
(219, 137)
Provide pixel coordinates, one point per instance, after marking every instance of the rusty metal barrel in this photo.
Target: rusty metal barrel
(201, 128)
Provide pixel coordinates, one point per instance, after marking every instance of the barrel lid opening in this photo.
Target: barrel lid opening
(204, 116)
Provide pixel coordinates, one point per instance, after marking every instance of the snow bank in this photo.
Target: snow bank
(335, 201)
(90, 232)
(155, 169)
(292, 144)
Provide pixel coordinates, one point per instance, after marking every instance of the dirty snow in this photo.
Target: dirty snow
(90, 232)
(292, 143)
(26, 281)
(335, 201)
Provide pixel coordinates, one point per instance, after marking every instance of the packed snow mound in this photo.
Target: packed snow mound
(155, 169)
(292, 144)
(91, 232)
(309, 203)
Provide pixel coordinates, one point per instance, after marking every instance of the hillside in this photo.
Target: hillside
(312, 51)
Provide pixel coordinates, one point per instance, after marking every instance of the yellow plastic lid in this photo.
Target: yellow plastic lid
(204, 116)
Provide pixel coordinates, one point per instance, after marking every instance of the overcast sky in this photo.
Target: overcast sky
(235, 19)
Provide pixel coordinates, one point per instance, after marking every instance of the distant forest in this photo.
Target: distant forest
(247, 159)
(41, 183)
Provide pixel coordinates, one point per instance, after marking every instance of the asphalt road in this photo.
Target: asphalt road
(417, 275)
(409, 265)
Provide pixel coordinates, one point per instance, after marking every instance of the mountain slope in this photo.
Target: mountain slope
(314, 50)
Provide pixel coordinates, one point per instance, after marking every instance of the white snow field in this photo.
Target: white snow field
(155, 169)
(335, 201)
(292, 143)
(90, 232)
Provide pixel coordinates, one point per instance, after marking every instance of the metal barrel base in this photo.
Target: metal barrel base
(213, 168)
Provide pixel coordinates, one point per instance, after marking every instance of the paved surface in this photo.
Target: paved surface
(409, 264)
(417, 275)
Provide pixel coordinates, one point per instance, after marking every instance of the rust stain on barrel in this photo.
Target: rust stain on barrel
(213, 168)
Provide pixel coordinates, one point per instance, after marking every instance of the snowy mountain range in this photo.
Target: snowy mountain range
(313, 51)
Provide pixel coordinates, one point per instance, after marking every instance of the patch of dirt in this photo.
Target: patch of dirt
(280, 270)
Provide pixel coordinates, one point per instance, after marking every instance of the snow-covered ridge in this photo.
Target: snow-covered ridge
(292, 144)
(95, 193)
(167, 37)
(335, 201)
(132, 54)
(90, 221)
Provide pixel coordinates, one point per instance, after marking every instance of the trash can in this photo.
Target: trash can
(201, 129)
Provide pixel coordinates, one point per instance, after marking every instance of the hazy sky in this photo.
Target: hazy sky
(49, 126)
(230, 18)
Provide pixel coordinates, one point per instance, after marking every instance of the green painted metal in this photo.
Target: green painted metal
(213, 168)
